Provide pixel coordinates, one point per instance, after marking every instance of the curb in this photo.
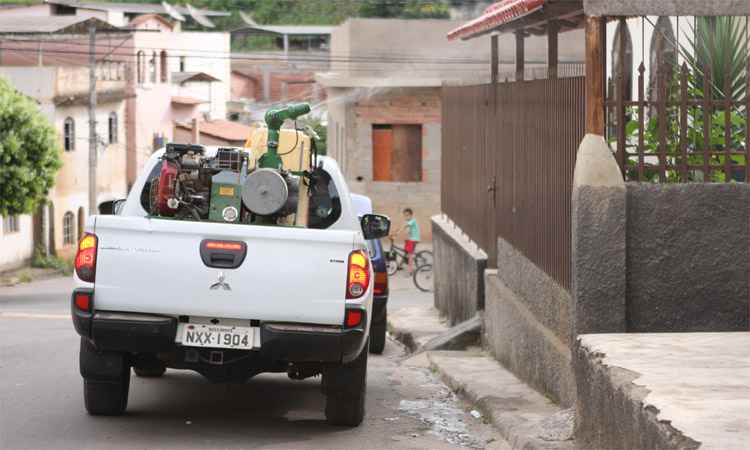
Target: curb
(519, 432)
(515, 430)
(403, 336)
(15, 280)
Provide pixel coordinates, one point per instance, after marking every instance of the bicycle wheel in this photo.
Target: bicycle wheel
(391, 266)
(423, 278)
(423, 258)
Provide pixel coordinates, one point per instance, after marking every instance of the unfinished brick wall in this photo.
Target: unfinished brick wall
(397, 107)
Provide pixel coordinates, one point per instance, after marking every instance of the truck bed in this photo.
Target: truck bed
(150, 265)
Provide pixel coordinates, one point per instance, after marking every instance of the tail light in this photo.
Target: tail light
(358, 275)
(353, 317)
(83, 301)
(86, 258)
(381, 283)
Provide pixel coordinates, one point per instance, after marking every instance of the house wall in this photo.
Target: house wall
(71, 187)
(275, 85)
(425, 52)
(185, 136)
(16, 248)
(184, 113)
(244, 87)
(39, 10)
(151, 112)
(70, 192)
(354, 149)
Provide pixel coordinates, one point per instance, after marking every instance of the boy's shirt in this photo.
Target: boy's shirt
(413, 229)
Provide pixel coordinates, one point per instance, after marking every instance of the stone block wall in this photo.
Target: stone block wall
(688, 257)
(459, 267)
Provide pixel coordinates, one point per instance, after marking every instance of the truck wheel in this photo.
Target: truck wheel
(105, 396)
(151, 370)
(346, 389)
(377, 335)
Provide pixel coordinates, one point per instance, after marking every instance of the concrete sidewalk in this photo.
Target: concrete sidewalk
(525, 418)
(664, 390)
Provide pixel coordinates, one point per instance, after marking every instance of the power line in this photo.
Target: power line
(384, 61)
(376, 57)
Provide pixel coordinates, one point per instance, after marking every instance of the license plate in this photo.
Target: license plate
(217, 336)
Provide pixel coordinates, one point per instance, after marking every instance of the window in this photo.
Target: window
(163, 66)
(152, 68)
(68, 228)
(140, 57)
(182, 63)
(397, 152)
(113, 127)
(69, 134)
(10, 224)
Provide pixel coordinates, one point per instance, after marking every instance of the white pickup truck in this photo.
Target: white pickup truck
(228, 300)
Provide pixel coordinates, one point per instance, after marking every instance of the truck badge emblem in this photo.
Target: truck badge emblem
(220, 284)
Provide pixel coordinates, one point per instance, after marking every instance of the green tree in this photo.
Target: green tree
(29, 153)
(409, 9)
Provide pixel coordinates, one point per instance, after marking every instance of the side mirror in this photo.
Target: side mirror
(375, 226)
(117, 206)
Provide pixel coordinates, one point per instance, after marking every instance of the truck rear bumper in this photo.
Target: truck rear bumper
(280, 342)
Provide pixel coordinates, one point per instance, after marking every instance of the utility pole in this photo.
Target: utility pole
(92, 120)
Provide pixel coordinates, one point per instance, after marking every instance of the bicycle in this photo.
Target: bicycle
(423, 278)
(396, 258)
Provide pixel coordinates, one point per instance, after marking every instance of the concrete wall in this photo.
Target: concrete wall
(688, 257)
(657, 257)
(527, 324)
(459, 298)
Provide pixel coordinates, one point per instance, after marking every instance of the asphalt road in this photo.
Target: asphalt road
(41, 404)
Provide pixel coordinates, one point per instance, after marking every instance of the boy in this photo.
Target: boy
(412, 228)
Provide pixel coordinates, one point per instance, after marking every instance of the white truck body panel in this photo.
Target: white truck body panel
(153, 265)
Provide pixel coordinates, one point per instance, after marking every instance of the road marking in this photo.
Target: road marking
(22, 315)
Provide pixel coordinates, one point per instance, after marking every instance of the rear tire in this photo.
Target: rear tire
(346, 388)
(104, 395)
(377, 335)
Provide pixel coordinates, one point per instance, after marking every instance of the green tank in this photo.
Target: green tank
(226, 197)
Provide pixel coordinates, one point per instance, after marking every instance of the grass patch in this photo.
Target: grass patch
(42, 261)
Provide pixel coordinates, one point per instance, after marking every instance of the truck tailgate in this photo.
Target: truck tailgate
(154, 266)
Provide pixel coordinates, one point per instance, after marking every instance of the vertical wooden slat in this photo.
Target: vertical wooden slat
(520, 55)
(707, 118)
(595, 69)
(683, 122)
(494, 59)
(553, 30)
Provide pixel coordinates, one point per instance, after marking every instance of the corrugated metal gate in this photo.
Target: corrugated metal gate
(507, 166)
